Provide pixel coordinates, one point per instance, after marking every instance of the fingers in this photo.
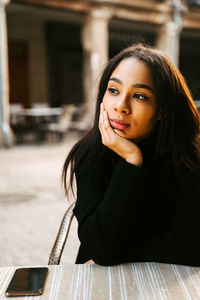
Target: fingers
(111, 139)
(101, 121)
(107, 133)
(89, 262)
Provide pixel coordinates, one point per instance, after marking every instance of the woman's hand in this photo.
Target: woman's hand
(123, 147)
(89, 262)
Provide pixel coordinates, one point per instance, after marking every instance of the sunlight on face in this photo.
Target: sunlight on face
(130, 100)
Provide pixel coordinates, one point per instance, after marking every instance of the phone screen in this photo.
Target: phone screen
(27, 282)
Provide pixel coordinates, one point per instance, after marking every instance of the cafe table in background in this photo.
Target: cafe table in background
(137, 281)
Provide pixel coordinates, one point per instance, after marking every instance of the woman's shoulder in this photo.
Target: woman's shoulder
(81, 164)
(194, 176)
(85, 163)
(191, 174)
(190, 180)
(95, 168)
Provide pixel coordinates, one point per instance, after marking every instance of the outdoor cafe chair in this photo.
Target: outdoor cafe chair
(62, 235)
(61, 126)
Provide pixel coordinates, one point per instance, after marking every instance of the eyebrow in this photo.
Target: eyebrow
(137, 85)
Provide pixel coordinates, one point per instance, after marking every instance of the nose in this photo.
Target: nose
(122, 105)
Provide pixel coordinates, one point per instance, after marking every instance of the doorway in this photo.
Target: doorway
(18, 73)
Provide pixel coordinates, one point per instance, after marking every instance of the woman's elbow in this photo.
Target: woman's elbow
(106, 258)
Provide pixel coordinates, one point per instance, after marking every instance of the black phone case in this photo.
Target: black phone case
(27, 282)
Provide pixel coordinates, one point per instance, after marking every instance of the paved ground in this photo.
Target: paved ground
(32, 203)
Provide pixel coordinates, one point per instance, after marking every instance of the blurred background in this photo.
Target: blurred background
(52, 53)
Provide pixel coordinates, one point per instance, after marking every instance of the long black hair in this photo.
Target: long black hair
(178, 129)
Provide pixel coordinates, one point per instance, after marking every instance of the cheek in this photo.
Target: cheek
(146, 117)
(151, 121)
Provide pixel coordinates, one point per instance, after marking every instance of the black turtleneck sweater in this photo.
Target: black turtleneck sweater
(132, 214)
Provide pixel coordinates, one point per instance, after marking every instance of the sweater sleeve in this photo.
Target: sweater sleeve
(104, 216)
(118, 225)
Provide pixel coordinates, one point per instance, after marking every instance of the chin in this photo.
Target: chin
(119, 132)
(122, 134)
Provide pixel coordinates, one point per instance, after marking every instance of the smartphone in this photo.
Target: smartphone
(27, 282)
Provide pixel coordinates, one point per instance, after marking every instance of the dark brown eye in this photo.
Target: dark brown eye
(140, 96)
(113, 91)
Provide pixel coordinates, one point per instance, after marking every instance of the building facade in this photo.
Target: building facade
(53, 51)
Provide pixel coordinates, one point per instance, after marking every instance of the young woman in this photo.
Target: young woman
(138, 169)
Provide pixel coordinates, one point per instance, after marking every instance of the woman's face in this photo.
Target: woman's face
(130, 100)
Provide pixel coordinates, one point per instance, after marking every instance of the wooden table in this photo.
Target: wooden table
(40, 116)
(42, 111)
(137, 281)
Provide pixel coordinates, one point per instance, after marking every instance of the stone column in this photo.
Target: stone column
(5, 131)
(168, 38)
(95, 42)
(168, 41)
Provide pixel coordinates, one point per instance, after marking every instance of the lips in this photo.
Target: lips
(119, 124)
